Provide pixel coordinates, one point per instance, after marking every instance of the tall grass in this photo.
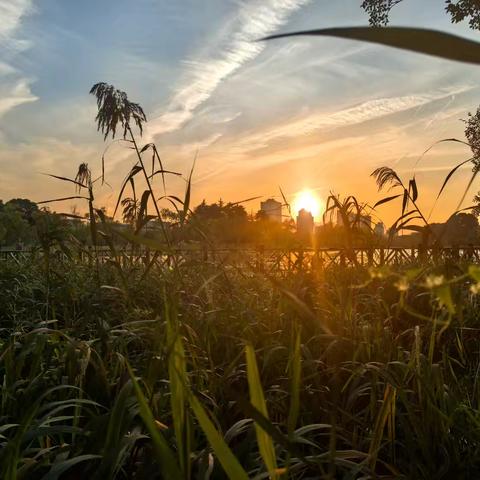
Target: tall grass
(196, 380)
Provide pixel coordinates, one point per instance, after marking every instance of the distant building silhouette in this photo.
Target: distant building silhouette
(272, 209)
(305, 223)
(379, 229)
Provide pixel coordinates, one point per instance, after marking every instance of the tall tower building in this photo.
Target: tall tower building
(305, 223)
(272, 209)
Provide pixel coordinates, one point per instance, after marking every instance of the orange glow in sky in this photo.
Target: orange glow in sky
(310, 201)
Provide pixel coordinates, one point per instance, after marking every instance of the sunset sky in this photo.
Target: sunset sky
(297, 113)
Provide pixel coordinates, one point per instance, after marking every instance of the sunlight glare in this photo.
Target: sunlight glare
(309, 201)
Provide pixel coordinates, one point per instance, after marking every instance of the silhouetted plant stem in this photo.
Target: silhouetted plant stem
(149, 185)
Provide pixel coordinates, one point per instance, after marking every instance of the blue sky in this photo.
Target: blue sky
(304, 113)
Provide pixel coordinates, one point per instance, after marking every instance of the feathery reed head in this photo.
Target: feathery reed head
(114, 108)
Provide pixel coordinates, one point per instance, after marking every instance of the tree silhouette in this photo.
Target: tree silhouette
(472, 132)
(459, 10)
(465, 9)
(379, 11)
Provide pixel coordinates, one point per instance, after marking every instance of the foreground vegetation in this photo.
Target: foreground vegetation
(208, 372)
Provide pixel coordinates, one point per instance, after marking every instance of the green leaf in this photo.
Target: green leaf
(177, 371)
(265, 443)
(111, 460)
(444, 297)
(474, 272)
(59, 468)
(225, 456)
(165, 456)
(420, 40)
(386, 410)
(295, 383)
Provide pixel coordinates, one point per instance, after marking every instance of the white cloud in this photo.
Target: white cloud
(14, 88)
(365, 111)
(15, 94)
(12, 13)
(255, 19)
(6, 69)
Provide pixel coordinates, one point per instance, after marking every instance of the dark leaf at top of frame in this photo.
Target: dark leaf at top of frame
(421, 40)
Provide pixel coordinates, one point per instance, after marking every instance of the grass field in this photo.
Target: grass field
(201, 372)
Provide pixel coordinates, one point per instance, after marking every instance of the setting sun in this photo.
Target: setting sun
(309, 201)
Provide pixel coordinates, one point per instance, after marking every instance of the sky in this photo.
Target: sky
(305, 113)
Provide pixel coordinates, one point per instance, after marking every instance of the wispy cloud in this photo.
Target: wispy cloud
(13, 94)
(14, 88)
(48, 155)
(11, 14)
(365, 111)
(204, 74)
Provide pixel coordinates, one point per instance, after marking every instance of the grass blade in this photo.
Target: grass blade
(420, 40)
(65, 179)
(177, 372)
(386, 200)
(225, 456)
(165, 456)
(450, 174)
(59, 468)
(62, 199)
(186, 201)
(265, 443)
(386, 413)
(444, 140)
(295, 383)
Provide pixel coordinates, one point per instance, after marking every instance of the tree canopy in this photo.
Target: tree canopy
(459, 11)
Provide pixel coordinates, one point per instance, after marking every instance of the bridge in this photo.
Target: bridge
(264, 259)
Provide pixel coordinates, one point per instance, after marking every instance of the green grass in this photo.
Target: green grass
(188, 373)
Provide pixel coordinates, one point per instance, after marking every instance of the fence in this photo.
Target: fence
(269, 260)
